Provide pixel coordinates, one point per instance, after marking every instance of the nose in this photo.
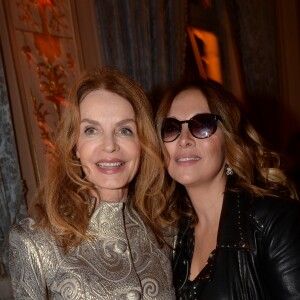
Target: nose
(109, 143)
(185, 138)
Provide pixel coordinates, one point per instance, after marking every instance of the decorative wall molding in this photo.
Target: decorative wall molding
(41, 46)
(46, 59)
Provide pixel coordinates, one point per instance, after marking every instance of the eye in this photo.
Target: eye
(171, 125)
(90, 130)
(125, 131)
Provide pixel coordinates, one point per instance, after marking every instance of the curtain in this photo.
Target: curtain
(145, 39)
(12, 203)
(253, 25)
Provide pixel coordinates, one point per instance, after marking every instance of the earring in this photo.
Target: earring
(228, 171)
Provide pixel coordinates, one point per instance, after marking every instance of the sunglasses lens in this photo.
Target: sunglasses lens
(170, 129)
(203, 125)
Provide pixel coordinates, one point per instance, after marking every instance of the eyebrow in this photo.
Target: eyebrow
(90, 121)
(93, 122)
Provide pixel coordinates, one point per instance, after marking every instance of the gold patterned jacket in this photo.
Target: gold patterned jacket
(122, 261)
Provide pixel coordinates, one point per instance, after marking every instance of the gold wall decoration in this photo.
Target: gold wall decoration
(47, 62)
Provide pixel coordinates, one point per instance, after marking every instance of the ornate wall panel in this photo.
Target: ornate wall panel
(41, 59)
(46, 60)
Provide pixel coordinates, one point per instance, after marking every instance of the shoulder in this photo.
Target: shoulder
(270, 210)
(32, 247)
(26, 233)
(22, 229)
(264, 205)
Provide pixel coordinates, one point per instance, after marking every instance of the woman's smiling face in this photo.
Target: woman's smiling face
(192, 161)
(108, 145)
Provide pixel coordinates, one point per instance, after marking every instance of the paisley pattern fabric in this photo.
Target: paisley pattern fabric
(121, 261)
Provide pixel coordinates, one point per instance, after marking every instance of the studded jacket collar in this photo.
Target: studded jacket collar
(232, 228)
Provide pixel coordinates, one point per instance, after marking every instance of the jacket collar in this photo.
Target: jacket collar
(232, 227)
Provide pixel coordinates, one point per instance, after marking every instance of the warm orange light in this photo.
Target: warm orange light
(45, 3)
(209, 61)
(48, 46)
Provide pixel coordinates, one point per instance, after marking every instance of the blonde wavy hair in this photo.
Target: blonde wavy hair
(63, 203)
(256, 168)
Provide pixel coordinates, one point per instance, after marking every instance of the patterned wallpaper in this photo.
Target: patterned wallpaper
(46, 55)
(46, 61)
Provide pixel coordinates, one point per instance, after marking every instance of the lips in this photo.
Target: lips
(110, 164)
(187, 159)
(184, 159)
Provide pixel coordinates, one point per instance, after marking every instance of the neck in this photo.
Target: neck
(111, 196)
(207, 200)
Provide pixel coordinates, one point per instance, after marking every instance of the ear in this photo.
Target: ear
(77, 154)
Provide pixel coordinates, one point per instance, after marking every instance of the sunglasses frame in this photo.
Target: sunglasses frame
(215, 119)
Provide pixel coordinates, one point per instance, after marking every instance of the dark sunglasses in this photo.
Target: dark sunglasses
(201, 126)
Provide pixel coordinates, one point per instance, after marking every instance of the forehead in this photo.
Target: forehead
(103, 102)
(188, 103)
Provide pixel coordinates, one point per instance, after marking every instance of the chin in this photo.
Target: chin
(185, 181)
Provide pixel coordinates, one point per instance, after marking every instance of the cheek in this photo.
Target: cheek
(169, 151)
(168, 155)
(83, 151)
(79, 152)
(172, 168)
(216, 152)
(132, 147)
(137, 155)
(134, 153)
(78, 147)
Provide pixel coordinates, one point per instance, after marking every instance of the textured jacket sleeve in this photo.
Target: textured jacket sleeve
(25, 266)
(281, 257)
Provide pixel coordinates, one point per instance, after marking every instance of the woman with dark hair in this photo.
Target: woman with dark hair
(239, 228)
(96, 228)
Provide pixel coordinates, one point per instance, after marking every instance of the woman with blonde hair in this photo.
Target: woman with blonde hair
(96, 228)
(239, 227)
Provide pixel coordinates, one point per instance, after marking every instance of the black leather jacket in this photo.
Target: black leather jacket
(257, 254)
